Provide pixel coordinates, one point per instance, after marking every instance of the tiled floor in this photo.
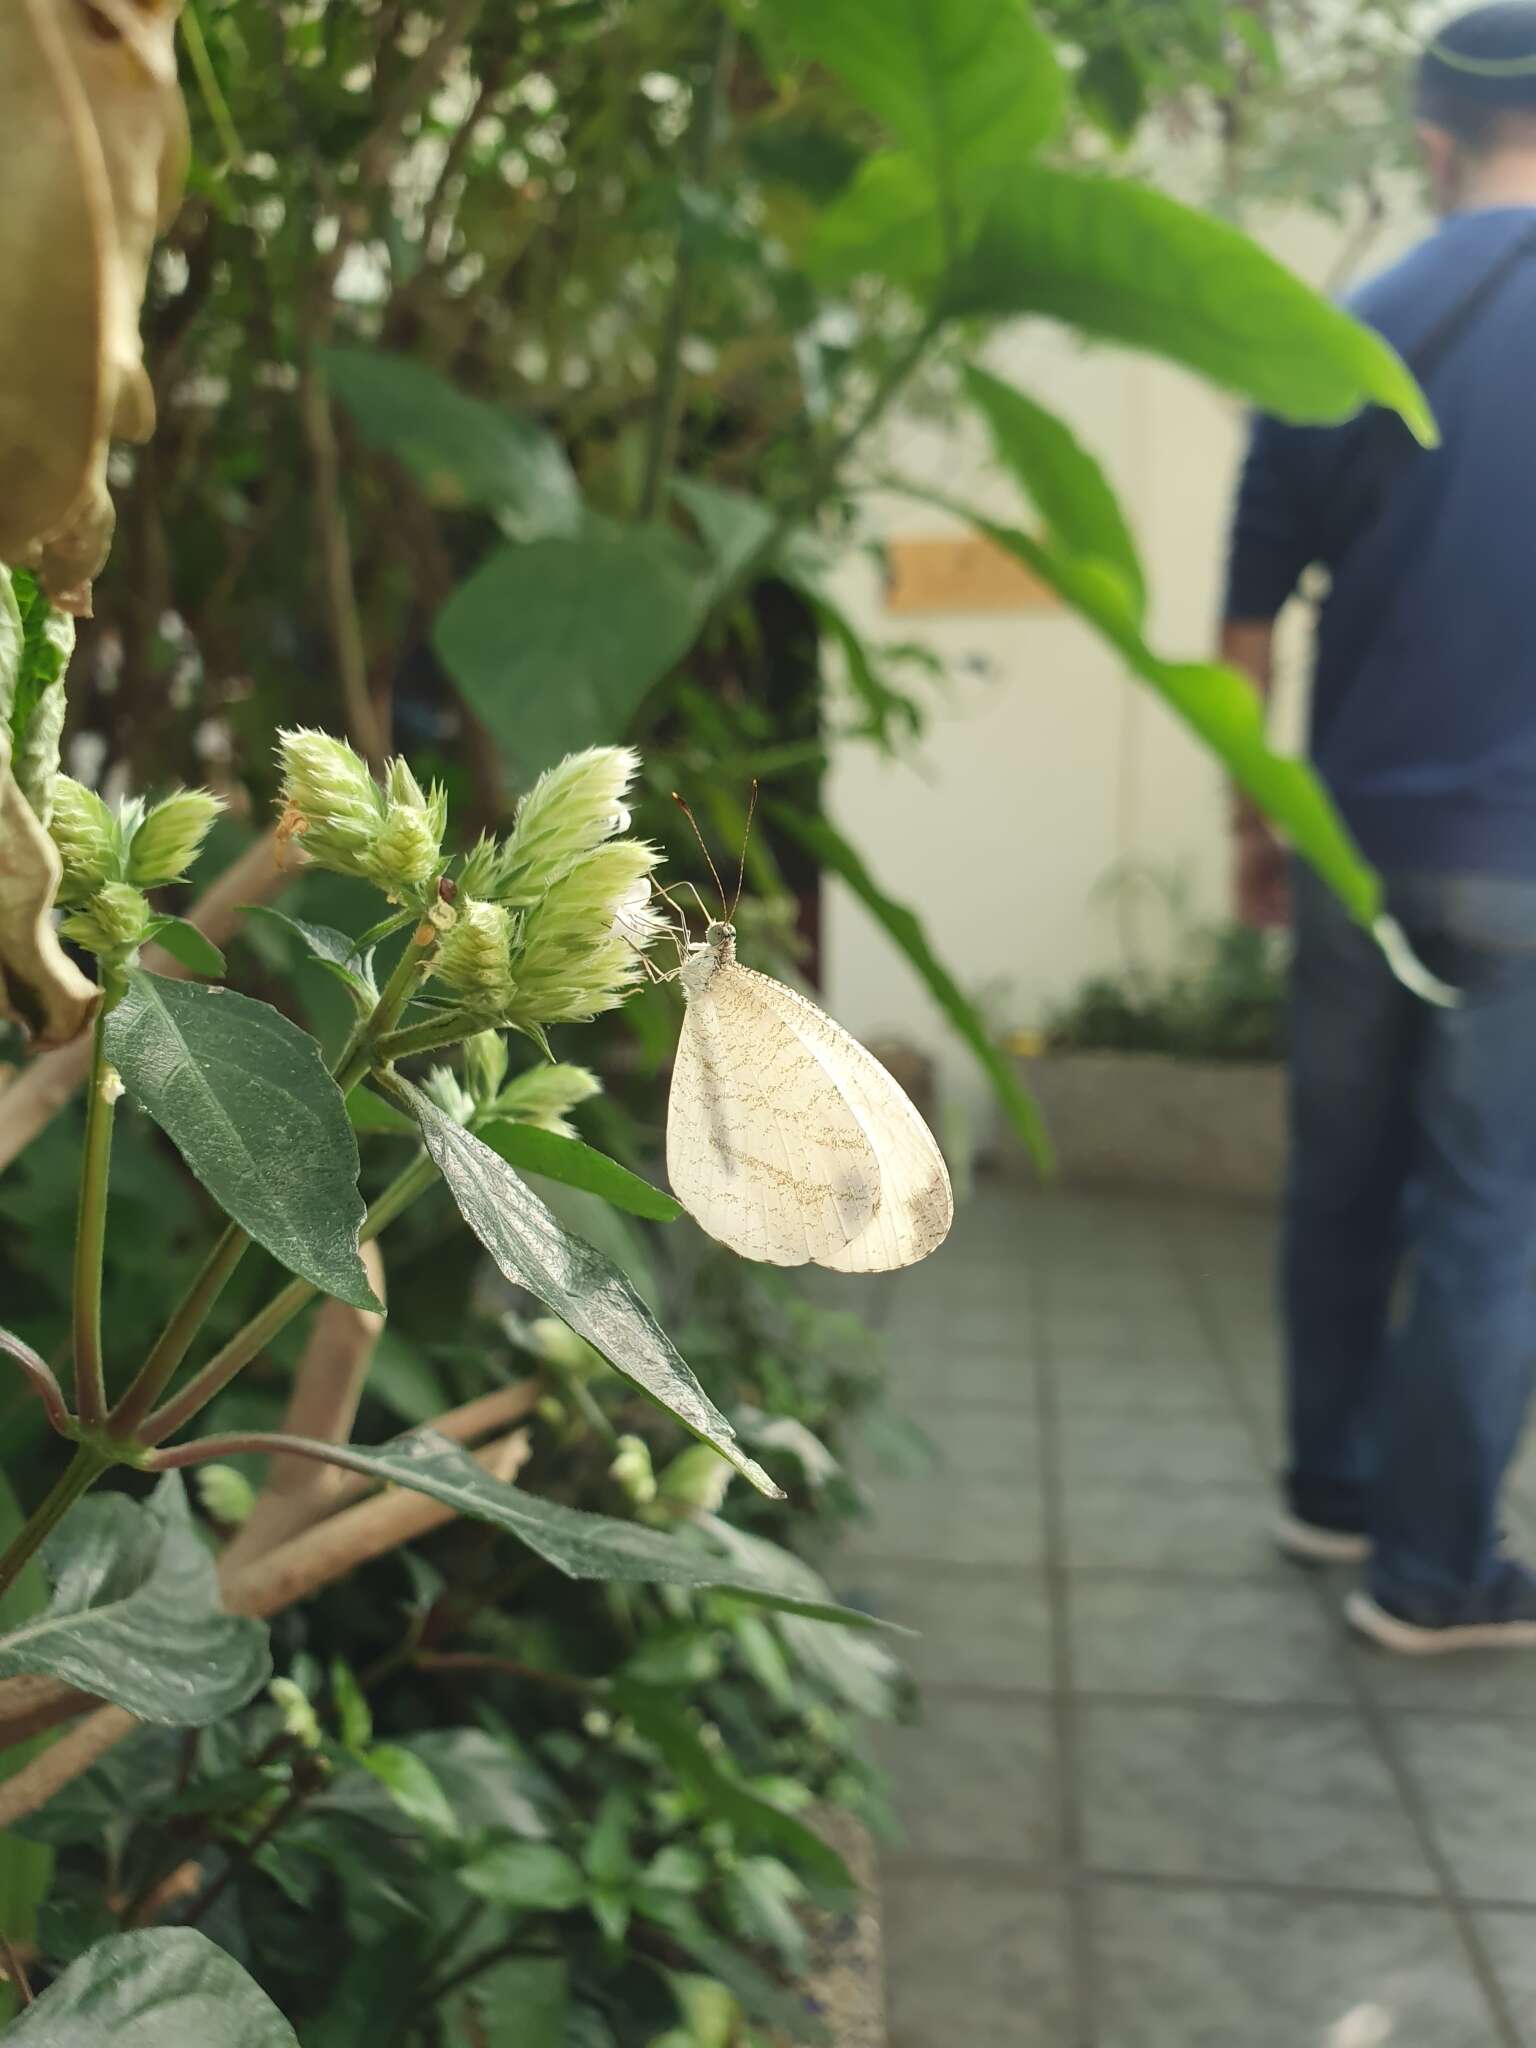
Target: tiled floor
(1158, 1798)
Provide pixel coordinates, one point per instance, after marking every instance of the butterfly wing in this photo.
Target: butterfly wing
(762, 1148)
(916, 1205)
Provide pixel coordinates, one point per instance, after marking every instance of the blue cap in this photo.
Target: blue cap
(1485, 59)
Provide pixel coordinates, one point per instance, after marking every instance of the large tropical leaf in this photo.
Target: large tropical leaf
(1122, 263)
(461, 450)
(534, 1250)
(554, 644)
(135, 1614)
(245, 1097)
(970, 88)
(832, 852)
(168, 1987)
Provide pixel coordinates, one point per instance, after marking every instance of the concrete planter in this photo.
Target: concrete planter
(1149, 1123)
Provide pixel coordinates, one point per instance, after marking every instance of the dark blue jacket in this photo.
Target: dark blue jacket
(1424, 694)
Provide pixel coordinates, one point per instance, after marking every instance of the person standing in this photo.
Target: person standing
(1408, 1264)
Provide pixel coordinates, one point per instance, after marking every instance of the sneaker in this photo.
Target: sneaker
(1504, 1618)
(1312, 1543)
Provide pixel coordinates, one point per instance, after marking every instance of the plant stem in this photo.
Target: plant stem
(255, 1335)
(666, 408)
(81, 1473)
(175, 1340)
(444, 1027)
(365, 1043)
(91, 1229)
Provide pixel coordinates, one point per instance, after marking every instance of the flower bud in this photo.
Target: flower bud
(299, 1718)
(86, 834)
(631, 1470)
(572, 808)
(558, 1345)
(171, 837)
(227, 1495)
(572, 959)
(485, 1066)
(473, 960)
(442, 1087)
(546, 1095)
(113, 922)
(406, 851)
(334, 806)
(697, 1478)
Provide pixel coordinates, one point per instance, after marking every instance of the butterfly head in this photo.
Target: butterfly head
(704, 961)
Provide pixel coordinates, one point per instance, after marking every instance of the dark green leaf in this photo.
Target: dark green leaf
(555, 644)
(580, 1544)
(568, 1160)
(969, 87)
(606, 1853)
(760, 1994)
(1123, 263)
(367, 1111)
(761, 1895)
(660, 1719)
(461, 450)
(836, 856)
(186, 944)
(353, 1714)
(533, 1250)
(170, 1987)
(245, 1097)
(486, 1781)
(521, 2003)
(529, 1877)
(1223, 709)
(1068, 488)
(135, 1614)
(321, 940)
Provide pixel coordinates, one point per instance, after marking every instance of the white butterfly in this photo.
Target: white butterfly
(785, 1138)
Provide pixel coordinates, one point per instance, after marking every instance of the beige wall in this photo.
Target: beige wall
(1043, 769)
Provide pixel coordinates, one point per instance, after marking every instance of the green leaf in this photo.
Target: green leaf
(555, 644)
(528, 1877)
(521, 2003)
(135, 1614)
(26, 1868)
(461, 450)
(35, 646)
(321, 941)
(1122, 263)
(367, 1111)
(185, 943)
(884, 224)
(833, 853)
(533, 1250)
(1068, 488)
(1222, 707)
(734, 527)
(969, 87)
(761, 1895)
(353, 1714)
(411, 1785)
(606, 1853)
(574, 1541)
(576, 1165)
(485, 1779)
(170, 1987)
(660, 1719)
(245, 1097)
(759, 1994)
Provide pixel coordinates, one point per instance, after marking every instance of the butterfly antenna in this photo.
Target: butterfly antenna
(683, 806)
(741, 872)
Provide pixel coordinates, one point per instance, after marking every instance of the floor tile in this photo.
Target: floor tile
(979, 1521)
(1279, 1796)
(977, 1961)
(933, 1377)
(1477, 1779)
(974, 1627)
(977, 1778)
(1186, 1969)
(1205, 1639)
(1221, 1531)
(1510, 1939)
(1196, 1450)
(1479, 1682)
(983, 1440)
(1135, 1386)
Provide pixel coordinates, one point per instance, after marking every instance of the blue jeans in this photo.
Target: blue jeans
(1410, 1229)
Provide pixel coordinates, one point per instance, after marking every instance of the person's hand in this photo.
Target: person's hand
(1261, 873)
